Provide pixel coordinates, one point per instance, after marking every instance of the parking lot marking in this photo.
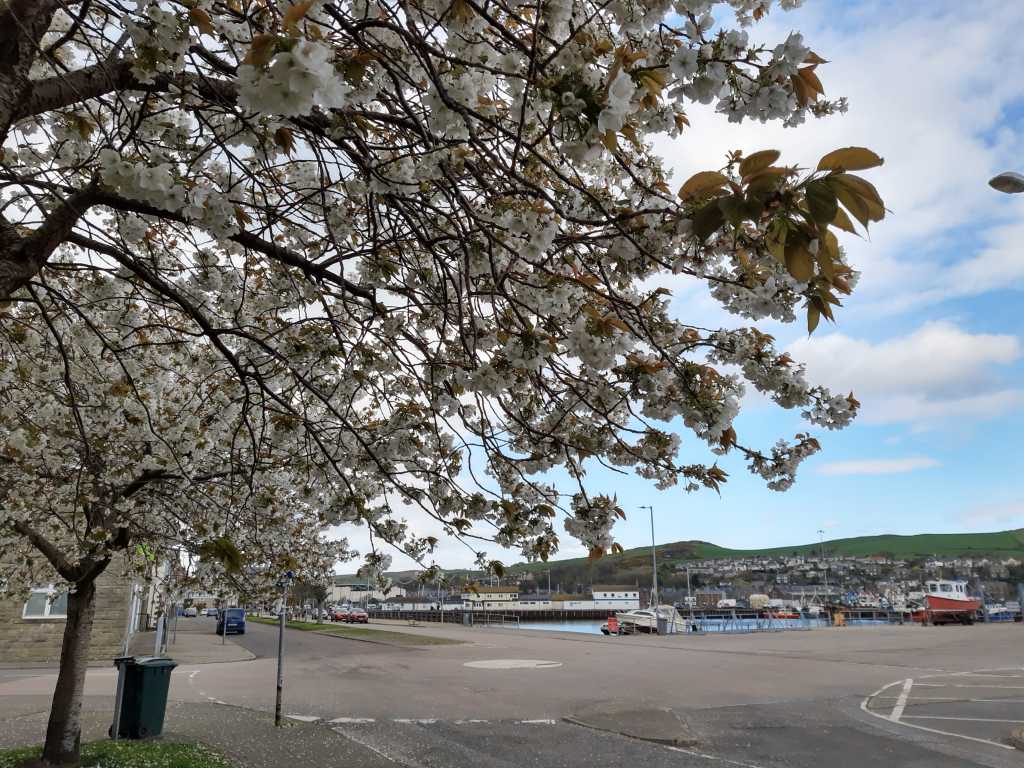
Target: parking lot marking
(901, 702)
(304, 718)
(542, 721)
(964, 719)
(865, 707)
(416, 720)
(712, 758)
(352, 720)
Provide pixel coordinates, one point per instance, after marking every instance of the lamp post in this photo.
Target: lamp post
(654, 558)
(1009, 182)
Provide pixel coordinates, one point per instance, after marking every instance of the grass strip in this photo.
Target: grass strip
(130, 754)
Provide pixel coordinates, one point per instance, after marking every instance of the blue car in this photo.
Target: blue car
(231, 619)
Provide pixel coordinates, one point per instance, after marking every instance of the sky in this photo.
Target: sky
(932, 342)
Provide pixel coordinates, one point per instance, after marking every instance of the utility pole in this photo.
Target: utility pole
(821, 538)
(689, 596)
(654, 558)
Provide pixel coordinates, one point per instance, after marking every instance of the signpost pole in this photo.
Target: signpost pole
(283, 583)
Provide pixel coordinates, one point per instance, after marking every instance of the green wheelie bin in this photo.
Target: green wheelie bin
(144, 696)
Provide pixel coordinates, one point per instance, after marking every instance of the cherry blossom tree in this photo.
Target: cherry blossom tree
(426, 240)
(121, 445)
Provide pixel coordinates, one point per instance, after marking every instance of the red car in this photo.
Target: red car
(358, 616)
(340, 614)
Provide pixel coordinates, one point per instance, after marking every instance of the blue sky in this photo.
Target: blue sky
(932, 343)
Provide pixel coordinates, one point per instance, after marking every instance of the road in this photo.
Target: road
(500, 699)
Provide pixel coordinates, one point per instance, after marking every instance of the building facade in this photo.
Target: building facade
(615, 596)
(482, 598)
(31, 631)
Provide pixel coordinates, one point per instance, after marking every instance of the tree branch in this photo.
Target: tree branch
(49, 550)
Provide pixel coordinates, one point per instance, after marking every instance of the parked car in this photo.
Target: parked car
(210, 612)
(231, 620)
(190, 613)
(358, 616)
(340, 614)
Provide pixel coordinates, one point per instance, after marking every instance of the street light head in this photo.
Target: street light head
(1008, 182)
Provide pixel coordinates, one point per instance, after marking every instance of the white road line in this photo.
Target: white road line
(982, 685)
(901, 702)
(955, 699)
(543, 721)
(964, 719)
(352, 720)
(192, 675)
(304, 718)
(904, 724)
(471, 722)
(416, 720)
(712, 758)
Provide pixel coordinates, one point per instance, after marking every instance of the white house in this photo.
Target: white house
(483, 598)
(612, 596)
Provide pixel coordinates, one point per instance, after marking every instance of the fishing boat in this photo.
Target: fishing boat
(947, 601)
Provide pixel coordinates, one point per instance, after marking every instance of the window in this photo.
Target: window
(46, 603)
(946, 588)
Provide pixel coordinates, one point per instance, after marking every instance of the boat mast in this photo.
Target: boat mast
(654, 559)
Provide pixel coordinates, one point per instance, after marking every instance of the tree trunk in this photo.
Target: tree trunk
(64, 731)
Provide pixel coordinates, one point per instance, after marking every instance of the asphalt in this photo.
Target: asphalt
(506, 697)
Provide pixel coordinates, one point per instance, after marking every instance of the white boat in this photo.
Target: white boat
(646, 620)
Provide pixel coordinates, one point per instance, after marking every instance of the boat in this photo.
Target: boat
(947, 601)
(646, 620)
(782, 613)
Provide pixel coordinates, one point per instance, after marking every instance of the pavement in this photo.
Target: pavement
(192, 641)
(521, 697)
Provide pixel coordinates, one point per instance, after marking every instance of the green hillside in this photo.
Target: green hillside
(634, 565)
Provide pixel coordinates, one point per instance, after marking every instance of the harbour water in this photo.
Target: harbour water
(709, 625)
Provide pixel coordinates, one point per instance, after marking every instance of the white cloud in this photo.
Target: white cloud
(877, 466)
(936, 372)
(1007, 514)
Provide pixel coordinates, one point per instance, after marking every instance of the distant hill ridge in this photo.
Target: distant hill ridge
(1001, 544)
(998, 544)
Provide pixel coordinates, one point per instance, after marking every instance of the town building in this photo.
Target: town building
(32, 630)
(480, 597)
(612, 596)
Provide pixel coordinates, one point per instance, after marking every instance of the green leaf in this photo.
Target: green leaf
(849, 159)
(863, 189)
(707, 220)
(775, 239)
(842, 221)
(813, 317)
(734, 209)
(821, 201)
(799, 261)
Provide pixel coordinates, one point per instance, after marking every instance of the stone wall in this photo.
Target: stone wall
(38, 641)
